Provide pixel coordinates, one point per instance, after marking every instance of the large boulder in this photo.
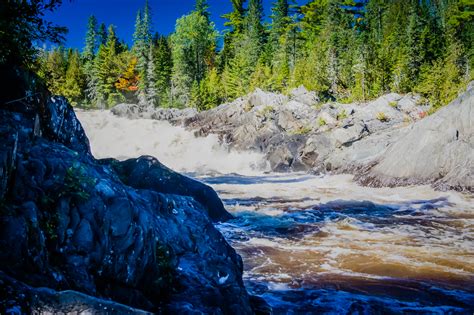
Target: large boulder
(147, 172)
(303, 96)
(437, 150)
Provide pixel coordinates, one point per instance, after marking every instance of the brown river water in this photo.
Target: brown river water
(319, 245)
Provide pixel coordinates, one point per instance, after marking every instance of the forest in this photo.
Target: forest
(345, 50)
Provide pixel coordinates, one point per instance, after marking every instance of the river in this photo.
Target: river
(319, 244)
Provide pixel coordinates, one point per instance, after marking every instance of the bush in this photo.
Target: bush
(267, 110)
(301, 130)
(342, 115)
(322, 122)
(393, 104)
(382, 117)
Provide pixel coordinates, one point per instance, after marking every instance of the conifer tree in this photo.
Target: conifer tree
(91, 39)
(164, 67)
(102, 34)
(88, 55)
(255, 31)
(74, 84)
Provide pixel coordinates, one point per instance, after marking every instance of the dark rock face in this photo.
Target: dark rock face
(148, 173)
(16, 296)
(107, 230)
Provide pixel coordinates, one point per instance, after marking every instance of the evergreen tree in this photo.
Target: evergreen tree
(164, 67)
(151, 90)
(255, 31)
(107, 72)
(74, 84)
(91, 39)
(102, 34)
(233, 34)
(142, 45)
(202, 7)
(88, 55)
(343, 49)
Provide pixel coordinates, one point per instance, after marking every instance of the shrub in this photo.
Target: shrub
(342, 115)
(322, 122)
(301, 130)
(382, 117)
(266, 110)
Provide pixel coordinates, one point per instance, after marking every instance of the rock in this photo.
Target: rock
(71, 223)
(326, 119)
(446, 137)
(261, 98)
(378, 114)
(133, 111)
(60, 124)
(147, 172)
(19, 298)
(303, 96)
(335, 137)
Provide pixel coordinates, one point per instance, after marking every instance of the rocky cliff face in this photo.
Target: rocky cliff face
(130, 232)
(296, 133)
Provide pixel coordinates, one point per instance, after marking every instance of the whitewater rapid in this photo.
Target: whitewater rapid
(122, 138)
(318, 244)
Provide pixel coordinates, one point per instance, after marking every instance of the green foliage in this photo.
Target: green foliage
(193, 52)
(91, 39)
(76, 183)
(382, 117)
(442, 81)
(342, 115)
(342, 49)
(301, 131)
(163, 70)
(322, 122)
(266, 111)
(21, 24)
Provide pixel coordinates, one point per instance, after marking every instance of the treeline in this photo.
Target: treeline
(345, 50)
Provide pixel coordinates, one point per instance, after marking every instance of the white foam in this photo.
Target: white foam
(177, 148)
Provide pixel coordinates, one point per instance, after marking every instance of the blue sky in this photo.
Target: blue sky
(121, 13)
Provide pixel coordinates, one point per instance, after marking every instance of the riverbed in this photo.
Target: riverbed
(318, 244)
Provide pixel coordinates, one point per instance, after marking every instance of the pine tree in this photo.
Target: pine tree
(91, 39)
(88, 55)
(142, 45)
(277, 48)
(74, 84)
(151, 90)
(202, 8)
(102, 34)
(235, 26)
(106, 73)
(255, 31)
(164, 67)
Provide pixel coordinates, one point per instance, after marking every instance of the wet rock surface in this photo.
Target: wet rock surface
(71, 223)
(298, 133)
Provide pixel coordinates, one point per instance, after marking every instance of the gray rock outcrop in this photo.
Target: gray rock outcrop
(297, 133)
(438, 150)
